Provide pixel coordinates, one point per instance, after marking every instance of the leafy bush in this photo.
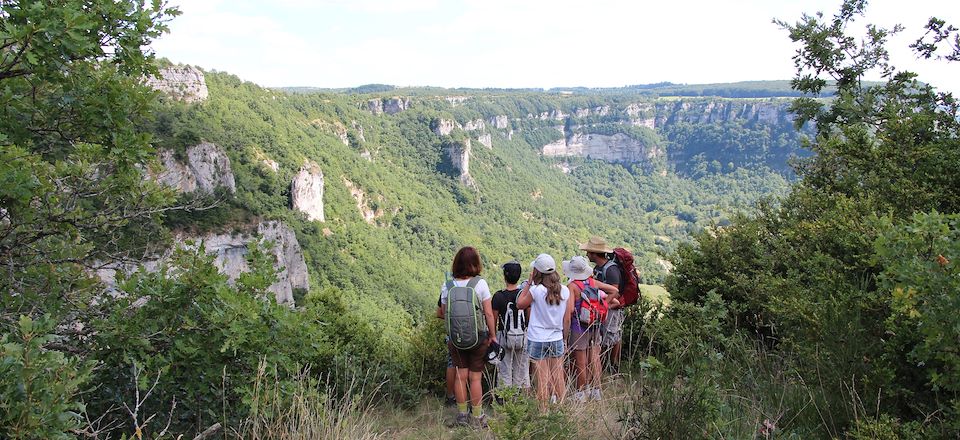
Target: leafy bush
(38, 387)
(519, 418)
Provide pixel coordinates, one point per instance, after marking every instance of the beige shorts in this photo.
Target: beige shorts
(612, 328)
(582, 341)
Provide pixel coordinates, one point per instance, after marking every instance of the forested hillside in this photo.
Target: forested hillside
(183, 251)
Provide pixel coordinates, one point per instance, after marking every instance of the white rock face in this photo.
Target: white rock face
(207, 169)
(307, 191)
(474, 125)
(184, 83)
(718, 111)
(231, 258)
(211, 166)
(370, 216)
(500, 121)
(486, 140)
(443, 127)
(459, 153)
(457, 100)
(359, 128)
(611, 148)
(389, 106)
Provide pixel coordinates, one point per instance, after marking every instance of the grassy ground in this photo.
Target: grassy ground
(431, 420)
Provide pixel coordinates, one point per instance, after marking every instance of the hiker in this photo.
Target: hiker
(451, 371)
(550, 306)
(466, 308)
(605, 270)
(514, 369)
(585, 326)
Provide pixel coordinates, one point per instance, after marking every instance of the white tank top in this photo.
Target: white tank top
(546, 321)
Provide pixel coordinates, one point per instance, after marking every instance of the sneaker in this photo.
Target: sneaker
(553, 398)
(579, 397)
(595, 394)
(451, 402)
(462, 420)
(480, 422)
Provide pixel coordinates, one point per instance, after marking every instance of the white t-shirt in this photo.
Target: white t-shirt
(546, 320)
(482, 290)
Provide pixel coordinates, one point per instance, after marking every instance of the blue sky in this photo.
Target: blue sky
(515, 43)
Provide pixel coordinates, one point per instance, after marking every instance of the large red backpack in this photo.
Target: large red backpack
(629, 284)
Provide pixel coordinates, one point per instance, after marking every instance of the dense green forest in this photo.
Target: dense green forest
(813, 239)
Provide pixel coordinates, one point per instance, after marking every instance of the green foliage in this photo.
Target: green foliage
(921, 278)
(38, 386)
(835, 278)
(519, 418)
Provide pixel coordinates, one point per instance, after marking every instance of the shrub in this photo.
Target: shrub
(38, 387)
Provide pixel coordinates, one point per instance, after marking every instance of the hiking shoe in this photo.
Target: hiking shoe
(462, 420)
(480, 422)
(579, 397)
(595, 394)
(451, 402)
(553, 398)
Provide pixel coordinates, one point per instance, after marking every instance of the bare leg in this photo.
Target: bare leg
(542, 373)
(594, 365)
(580, 370)
(615, 356)
(476, 389)
(559, 379)
(460, 390)
(451, 381)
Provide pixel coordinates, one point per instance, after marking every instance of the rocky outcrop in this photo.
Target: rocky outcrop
(184, 83)
(601, 110)
(500, 122)
(555, 115)
(306, 191)
(702, 111)
(457, 100)
(389, 106)
(443, 127)
(474, 125)
(618, 147)
(459, 153)
(231, 258)
(359, 128)
(369, 215)
(207, 168)
(486, 140)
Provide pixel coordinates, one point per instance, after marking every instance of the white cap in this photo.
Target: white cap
(544, 263)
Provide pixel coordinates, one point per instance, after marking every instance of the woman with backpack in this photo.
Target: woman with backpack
(551, 306)
(466, 306)
(589, 311)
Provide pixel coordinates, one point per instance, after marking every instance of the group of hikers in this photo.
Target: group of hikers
(536, 324)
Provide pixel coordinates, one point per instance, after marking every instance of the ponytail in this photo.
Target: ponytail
(552, 282)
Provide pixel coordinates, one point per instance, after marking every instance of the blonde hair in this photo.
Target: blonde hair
(552, 282)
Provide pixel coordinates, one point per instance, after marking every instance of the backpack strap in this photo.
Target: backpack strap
(473, 282)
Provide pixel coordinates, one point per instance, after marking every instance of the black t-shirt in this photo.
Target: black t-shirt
(499, 303)
(610, 275)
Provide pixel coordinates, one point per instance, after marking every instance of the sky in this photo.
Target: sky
(519, 43)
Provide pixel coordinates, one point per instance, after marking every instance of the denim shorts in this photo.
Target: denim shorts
(540, 350)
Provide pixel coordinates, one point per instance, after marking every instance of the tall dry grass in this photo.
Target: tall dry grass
(307, 408)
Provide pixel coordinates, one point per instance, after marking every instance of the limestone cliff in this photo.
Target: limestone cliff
(500, 121)
(389, 106)
(459, 153)
(363, 204)
(702, 111)
(306, 191)
(486, 140)
(184, 83)
(207, 168)
(443, 127)
(231, 257)
(618, 147)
